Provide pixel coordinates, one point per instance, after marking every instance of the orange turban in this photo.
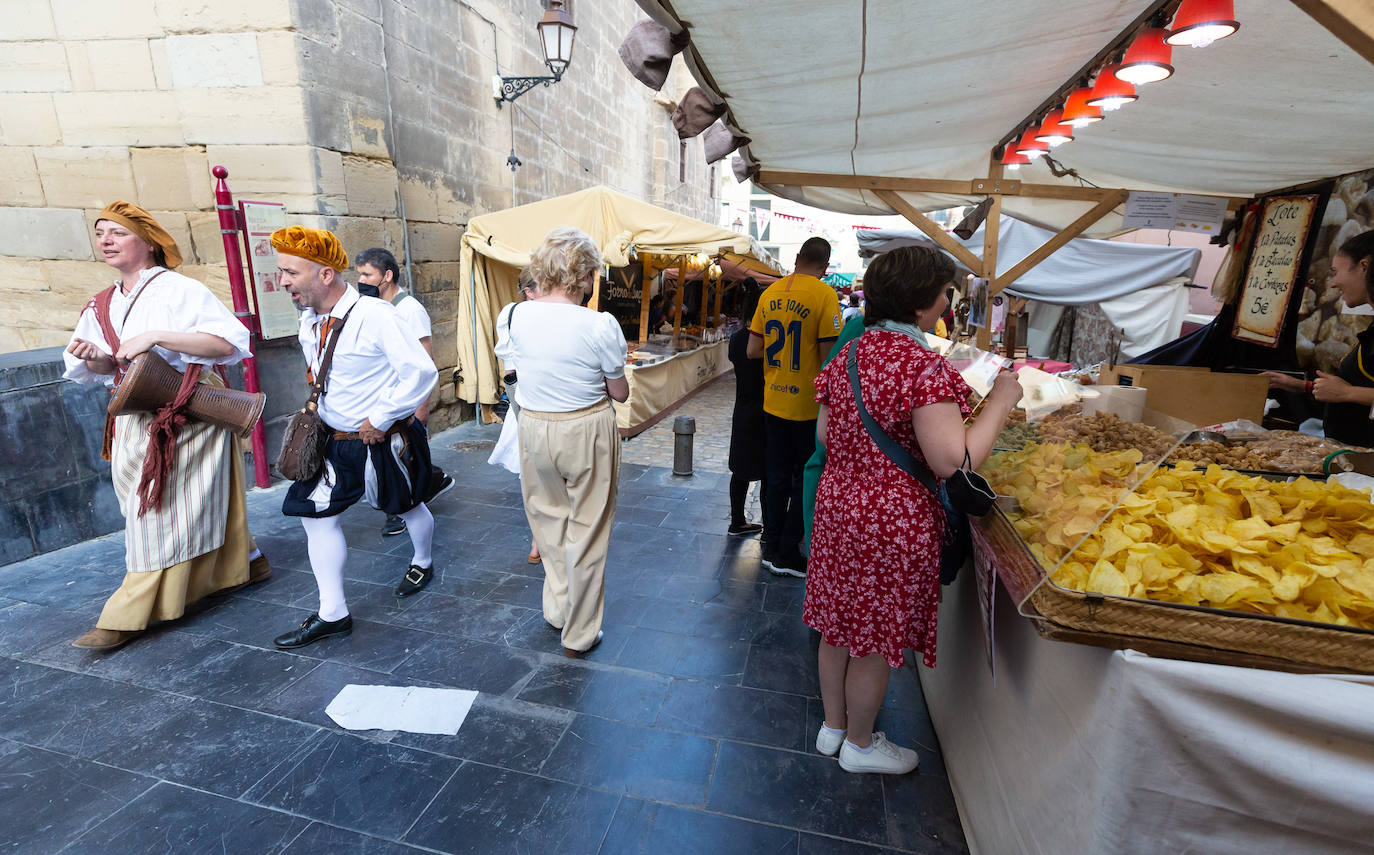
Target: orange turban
(316, 245)
(141, 223)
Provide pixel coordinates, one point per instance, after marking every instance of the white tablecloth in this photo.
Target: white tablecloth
(1084, 750)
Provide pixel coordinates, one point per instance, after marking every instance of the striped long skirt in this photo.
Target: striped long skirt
(197, 542)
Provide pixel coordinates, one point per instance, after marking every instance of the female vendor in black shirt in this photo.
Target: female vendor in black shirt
(1348, 394)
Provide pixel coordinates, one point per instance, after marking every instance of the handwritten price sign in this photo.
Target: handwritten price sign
(1273, 270)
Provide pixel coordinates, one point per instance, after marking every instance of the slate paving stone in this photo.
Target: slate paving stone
(782, 670)
(29, 627)
(212, 747)
(731, 712)
(815, 844)
(488, 811)
(807, 792)
(499, 732)
(629, 696)
(51, 799)
(785, 600)
(289, 587)
(169, 818)
(305, 699)
(459, 616)
(524, 591)
(65, 712)
(464, 663)
(927, 819)
(783, 630)
(646, 828)
(536, 634)
(637, 761)
(318, 838)
(684, 656)
(354, 783)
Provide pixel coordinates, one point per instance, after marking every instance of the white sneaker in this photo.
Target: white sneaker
(885, 757)
(828, 741)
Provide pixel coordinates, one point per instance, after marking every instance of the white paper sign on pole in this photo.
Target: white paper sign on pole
(1150, 211)
(277, 315)
(1199, 213)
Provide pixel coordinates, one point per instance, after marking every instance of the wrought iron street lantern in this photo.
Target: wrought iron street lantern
(556, 34)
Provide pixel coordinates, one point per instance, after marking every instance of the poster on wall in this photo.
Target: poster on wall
(277, 315)
(1272, 275)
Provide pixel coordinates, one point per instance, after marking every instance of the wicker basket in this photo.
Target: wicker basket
(1171, 629)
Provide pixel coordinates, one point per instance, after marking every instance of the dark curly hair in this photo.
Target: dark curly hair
(903, 281)
(1357, 249)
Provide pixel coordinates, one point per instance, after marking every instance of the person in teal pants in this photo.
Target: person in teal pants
(811, 475)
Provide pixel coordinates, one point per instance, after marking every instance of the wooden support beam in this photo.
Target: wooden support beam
(925, 224)
(992, 228)
(993, 185)
(720, 293)
(677, 297)
(645, 283)
(705, 292)
(1351, 21)
(1070, 232)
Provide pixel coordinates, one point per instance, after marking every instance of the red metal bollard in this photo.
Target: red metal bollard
(238, 287)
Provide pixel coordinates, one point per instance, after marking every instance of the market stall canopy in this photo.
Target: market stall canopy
(927, 90)
(495, 246)
(1139, 287)
(732, 271)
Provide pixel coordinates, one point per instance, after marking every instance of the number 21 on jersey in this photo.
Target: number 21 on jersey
(789, 335)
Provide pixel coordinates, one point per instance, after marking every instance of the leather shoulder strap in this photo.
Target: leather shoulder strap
(905, 460)
(328, 360)
(101, 304)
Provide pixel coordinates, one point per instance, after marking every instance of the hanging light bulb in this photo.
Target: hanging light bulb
(1111, 92)
(1148, 59)
(1013, 159)
(1030, 147)
(1198, 23)
(1078, 113)
(1053, 131)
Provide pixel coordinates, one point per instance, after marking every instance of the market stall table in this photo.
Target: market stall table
(656, 389)
(1074, 748)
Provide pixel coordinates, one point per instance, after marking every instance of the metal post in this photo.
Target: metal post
(238, 287)
(683, 428)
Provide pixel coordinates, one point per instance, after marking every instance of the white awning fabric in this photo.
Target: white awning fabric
(926, 90)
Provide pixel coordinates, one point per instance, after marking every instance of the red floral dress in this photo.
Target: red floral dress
(873, 576)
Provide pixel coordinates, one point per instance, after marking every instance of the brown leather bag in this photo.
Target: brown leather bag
(302, 448)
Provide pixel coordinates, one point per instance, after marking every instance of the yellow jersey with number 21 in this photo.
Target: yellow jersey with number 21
(797, 318)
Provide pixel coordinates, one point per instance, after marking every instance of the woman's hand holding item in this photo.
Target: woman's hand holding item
(1285, 382)
(96, 359)
(1006, 390)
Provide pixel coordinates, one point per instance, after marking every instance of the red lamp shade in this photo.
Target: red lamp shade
(1148, 59)
(1198, 23)
(1110, 92)
(1030, 147)
(1053, 131)
(1078, 113)
(1013, 159)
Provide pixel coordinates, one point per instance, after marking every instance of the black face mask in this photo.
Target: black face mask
(369, 290)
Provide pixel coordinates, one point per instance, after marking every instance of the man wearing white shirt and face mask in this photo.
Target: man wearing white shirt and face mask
(379, 376)
(379, 273)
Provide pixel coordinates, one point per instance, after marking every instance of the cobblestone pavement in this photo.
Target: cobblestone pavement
(688, 730)
(711, 407)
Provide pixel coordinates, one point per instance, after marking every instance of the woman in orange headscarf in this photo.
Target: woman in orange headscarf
(191, 538)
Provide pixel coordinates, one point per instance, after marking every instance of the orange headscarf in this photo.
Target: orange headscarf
(141, 223)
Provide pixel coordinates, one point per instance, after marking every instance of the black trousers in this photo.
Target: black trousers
(788, 446)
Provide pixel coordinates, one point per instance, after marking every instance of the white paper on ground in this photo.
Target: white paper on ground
(409, 708)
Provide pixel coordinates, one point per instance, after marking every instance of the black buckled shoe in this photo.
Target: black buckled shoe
(415, 579)
(312, 629)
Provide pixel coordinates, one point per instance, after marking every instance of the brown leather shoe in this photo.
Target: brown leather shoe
(578, 654)
(258, 571)
(106, 639)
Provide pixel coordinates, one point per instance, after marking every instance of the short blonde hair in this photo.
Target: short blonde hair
(564, 261)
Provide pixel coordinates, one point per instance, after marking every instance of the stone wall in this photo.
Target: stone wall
(373, 118)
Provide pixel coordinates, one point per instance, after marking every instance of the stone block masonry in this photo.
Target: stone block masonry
(373, 118)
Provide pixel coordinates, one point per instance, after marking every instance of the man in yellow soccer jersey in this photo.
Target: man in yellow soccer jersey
(797, 320)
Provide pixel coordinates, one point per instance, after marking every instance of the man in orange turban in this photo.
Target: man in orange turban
(379, 375)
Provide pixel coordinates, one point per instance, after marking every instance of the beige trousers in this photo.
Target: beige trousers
(569, 475)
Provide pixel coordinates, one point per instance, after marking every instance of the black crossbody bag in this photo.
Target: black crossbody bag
(963, 494)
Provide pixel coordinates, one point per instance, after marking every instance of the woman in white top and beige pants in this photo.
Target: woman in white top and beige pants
(571, 362)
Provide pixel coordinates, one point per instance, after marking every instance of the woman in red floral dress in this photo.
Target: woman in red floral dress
(874, 570)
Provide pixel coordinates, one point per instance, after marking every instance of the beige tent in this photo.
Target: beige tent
(497, 245)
